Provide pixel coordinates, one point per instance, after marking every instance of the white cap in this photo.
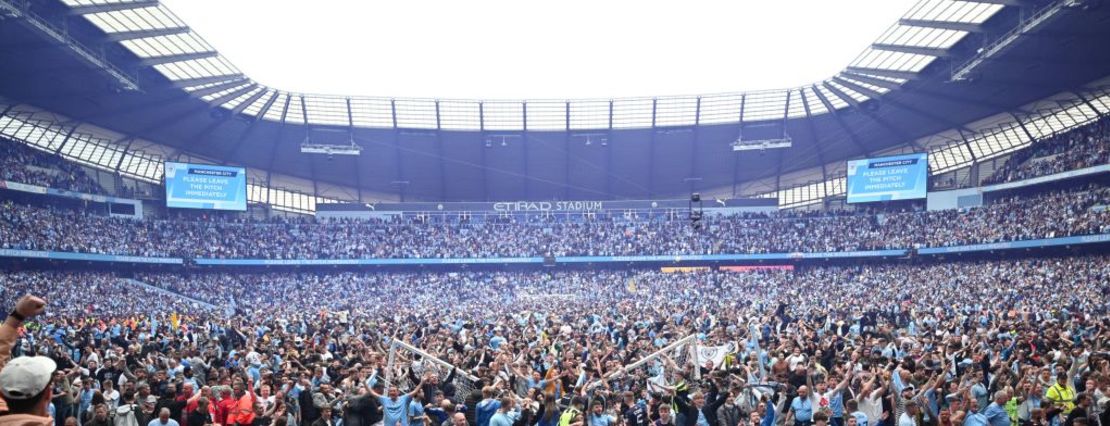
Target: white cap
(26, 376)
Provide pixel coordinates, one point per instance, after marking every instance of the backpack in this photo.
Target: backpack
(124, 415)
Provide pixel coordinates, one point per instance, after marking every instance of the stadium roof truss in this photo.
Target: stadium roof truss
(831, 120)
(164, 42)
(1008, 133)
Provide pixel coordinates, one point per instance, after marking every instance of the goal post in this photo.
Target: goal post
(395, 374)
(685, 349)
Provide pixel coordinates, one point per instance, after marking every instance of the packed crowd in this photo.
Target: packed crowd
(1005, 342)
(1053, 214)
(1083, 147)
(20, 163)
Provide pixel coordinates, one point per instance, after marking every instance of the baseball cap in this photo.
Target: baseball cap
(26, 376)
(151, 399)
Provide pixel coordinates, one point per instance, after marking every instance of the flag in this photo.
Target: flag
(716, 354)
(657, 383)
(630, 286)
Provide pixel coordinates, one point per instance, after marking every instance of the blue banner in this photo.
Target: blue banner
(1010, 245)
(338, 262)
(201, 186)
(901, 177)
(91, 257)
(539, 260)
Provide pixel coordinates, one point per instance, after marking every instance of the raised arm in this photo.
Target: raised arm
(416, 389)
(26, 308)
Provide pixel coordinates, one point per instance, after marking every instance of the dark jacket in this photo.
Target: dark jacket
(309, 412)
(713, 401)
(361, 411)
(444, 385)
(729, 415)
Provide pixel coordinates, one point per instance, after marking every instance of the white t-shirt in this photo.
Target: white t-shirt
(112, 398)
(794, 360)
(872, 406)
(906, 420)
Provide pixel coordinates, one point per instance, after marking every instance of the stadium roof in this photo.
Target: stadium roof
(163, 41)
(137, 69)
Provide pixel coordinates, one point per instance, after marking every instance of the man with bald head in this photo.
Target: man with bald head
(163, 419)
(801, 408)
(459, 419)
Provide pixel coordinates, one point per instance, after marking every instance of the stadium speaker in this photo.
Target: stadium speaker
(695, 197)
(549, 260)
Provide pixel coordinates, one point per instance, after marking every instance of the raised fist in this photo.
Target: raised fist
(30, 306)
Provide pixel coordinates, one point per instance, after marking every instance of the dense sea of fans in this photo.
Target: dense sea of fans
(1003, 342)
(1083, 147)
(20, 163)
(912, 343)
(1053, 214)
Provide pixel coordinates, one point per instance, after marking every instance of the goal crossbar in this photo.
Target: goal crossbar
(691, 340)
(427, 356)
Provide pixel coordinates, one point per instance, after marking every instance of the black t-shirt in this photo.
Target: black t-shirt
(1076, 413)
(107, 374)
(197, 418)
(635, 415)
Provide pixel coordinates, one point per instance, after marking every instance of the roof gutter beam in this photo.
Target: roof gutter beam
(942, 25)
(153, 32)
(1015, 3)
(905, 75)
(111, 7)
(218, 88)
(169, 59)
(190, 82)
(915, 50)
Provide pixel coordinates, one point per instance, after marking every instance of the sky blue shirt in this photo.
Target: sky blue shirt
(504, 419)
(602, 420)
(996, 415)
(395, 411)
(416, 409)
(981, 395)
(485, 411)
(861, 418)
(803, 409)
(976, 419)
(496, 342)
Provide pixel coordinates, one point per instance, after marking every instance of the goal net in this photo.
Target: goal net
(659, 370)
(406, 362)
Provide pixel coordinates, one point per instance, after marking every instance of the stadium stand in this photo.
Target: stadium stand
(820, 312)
(1048, 215)
(22, 164)
(1080, 148)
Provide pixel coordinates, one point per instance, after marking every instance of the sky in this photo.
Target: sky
(533, 49)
